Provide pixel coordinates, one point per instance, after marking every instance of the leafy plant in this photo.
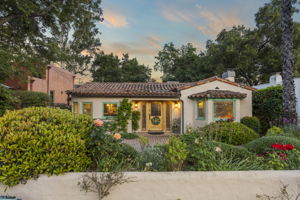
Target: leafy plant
(124, 114)
(152, 159)
(135, 117)
(176, 125)
(7, 100)
(274, 131)
(41, 140)
(32, 99)
(102, 183)
(252, 122)
(263, 144)
(267, 105)
(228, 132)
(176, 153)
(144, 142)
(108, 153)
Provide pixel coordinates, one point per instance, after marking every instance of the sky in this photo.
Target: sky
(142, 27)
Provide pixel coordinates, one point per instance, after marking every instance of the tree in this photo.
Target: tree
(35, 33)
(109, 68)
(289, 97)
(182, 64)
(236, 49)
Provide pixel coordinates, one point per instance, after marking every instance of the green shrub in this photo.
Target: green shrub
(267, 105)
(274, 131)
(108, 153)
(135, 117)
(7, 100)
(228, 132)
(32, 99)
(35, 141)
(263, 144)
(129, 136)
(152, 159)
(216, 156)
(251, 122)
(176, 153)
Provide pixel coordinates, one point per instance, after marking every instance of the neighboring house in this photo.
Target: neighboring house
(162, 105)
(56, 82)
(276, 79)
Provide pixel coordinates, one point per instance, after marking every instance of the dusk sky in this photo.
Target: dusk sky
(142, 27)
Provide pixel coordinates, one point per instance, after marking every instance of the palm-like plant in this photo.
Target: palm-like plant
(289, 98)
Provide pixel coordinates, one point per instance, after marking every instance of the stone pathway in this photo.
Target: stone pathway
(153, 140)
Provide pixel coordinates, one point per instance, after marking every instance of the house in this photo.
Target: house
(56, 82)
(164, 105)
(276, 79)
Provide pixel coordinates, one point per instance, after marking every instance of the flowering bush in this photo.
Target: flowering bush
(108, 152)
(281, 157)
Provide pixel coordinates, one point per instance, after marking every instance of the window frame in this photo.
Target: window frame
(221, 100)
(75, 102)
(197, 109)
(108, 117)
(83, 103)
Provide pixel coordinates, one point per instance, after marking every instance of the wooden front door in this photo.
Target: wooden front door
(155, 117)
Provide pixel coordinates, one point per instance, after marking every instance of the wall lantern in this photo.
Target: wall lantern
(176, 105)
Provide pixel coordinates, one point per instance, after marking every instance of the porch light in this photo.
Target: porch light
(176, 105)
(136, 105)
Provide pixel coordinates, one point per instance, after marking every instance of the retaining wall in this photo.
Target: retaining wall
(164, 186)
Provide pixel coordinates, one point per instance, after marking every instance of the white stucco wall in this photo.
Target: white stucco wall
(243, 106)
(164, 186)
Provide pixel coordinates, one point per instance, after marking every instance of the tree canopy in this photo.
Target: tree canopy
(35, 33)
(110, 68)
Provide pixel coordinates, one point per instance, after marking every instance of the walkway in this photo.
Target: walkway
(153, 140)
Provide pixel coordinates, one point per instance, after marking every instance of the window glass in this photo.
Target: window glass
(110, 109)
(201, 109)
(75, 107)
(87, 108)
(155, 109)
(223, 110)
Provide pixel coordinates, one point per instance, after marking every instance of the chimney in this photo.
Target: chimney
(229, 75)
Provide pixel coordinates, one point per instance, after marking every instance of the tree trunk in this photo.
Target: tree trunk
(289, 98)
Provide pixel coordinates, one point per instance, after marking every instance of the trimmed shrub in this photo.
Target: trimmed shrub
(129, 136)
(152, 159)
(32, 99)
(274, 131)
(40, 140)
(252, 122)
(228, 132)
(263, 144)
(7, 100)
(267, 105)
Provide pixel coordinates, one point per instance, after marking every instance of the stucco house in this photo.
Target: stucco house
(162, 105)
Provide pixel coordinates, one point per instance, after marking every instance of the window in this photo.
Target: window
(75, 107)
(110, 109)
(87, 108)
(201, 109)
(223, 109)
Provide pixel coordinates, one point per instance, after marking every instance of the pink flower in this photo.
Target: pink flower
(98, 122)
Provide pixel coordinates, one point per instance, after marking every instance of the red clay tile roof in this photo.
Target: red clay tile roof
(168, 90)
(109, 89)
(218, 94)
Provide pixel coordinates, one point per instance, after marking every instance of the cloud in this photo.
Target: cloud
(208, 22)
(114, 20)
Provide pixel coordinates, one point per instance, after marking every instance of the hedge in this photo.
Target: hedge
(263, 144)
(7, 100)
(228, 132)
(40, 140)
(32, 99)
(267, 105)
(252, 122)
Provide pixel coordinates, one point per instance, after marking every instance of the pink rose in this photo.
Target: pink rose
(98, 122)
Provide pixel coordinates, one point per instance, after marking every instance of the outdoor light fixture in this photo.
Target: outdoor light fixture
(135, 105)
(176, 105)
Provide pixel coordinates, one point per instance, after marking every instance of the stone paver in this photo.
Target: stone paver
(153, 140)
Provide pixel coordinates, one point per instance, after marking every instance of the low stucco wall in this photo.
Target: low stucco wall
(164, 186)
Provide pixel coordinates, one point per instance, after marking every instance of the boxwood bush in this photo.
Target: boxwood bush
(228, 132)
(251, 122)
(41, 140)
(263, 144)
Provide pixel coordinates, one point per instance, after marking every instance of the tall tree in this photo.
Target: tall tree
(289, 97)
(35, 32)
(182, 64)
(109, 68)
